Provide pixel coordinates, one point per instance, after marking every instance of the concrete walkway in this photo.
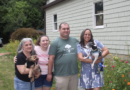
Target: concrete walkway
(80, 88)
(1, 54)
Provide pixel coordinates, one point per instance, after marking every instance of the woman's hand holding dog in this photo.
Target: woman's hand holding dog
(36, 74)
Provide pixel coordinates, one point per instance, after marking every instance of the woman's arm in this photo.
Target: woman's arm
(105, 52)
(20, 69)
(80, 58)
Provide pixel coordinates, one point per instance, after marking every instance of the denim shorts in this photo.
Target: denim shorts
(22, 85)
(41, 81)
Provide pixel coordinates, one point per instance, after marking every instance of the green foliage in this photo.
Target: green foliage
(128, 49)
(117, 74)
(35, 3)
(79, 67)
(3, 12)
(12, 47)
(25, 32)
(34, 19)
(17, 14)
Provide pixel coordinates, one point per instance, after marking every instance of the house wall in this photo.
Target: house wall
(79, 15)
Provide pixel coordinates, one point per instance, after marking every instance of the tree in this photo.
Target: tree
(3, 12)
(35, 15)
(16, 14)
(34, 19)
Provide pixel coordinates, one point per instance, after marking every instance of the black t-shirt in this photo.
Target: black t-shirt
(21, 60)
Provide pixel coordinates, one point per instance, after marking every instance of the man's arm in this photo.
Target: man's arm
(50, 67)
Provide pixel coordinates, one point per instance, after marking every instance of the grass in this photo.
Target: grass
(6, 73)
(2, 50)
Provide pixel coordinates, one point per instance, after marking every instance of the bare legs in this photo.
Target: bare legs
(43, 88)
(98, 88)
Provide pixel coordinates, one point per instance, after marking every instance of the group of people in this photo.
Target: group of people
(62, 54)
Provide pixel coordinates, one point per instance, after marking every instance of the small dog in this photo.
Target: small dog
(34, 68)
(96, 52)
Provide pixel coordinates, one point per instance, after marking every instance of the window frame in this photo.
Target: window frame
(94, 16)
(54, 23)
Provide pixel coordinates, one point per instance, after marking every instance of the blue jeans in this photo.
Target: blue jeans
(22, 85)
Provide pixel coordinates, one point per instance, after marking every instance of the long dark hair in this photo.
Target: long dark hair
(39, 39)
(82, 38)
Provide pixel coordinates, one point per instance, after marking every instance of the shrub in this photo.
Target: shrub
(25, 32)
(12, 47)
(117, 74)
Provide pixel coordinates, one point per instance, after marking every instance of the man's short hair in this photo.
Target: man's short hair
(63, 23)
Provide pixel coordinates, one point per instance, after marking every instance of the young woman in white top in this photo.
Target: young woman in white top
(42, 49)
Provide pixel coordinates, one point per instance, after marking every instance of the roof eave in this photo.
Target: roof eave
(51, 4)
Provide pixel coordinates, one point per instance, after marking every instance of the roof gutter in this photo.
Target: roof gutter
(51, 4)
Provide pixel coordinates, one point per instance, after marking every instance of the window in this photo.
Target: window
(55, 22)
(98, 15)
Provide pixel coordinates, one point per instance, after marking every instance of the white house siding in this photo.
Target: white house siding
(79, 15)
(117, 21)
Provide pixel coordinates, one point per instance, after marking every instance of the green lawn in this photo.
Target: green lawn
(6, 73)
(2, 50)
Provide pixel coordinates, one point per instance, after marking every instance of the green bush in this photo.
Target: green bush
(12, 47)
(117, 74)
(25, 32)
